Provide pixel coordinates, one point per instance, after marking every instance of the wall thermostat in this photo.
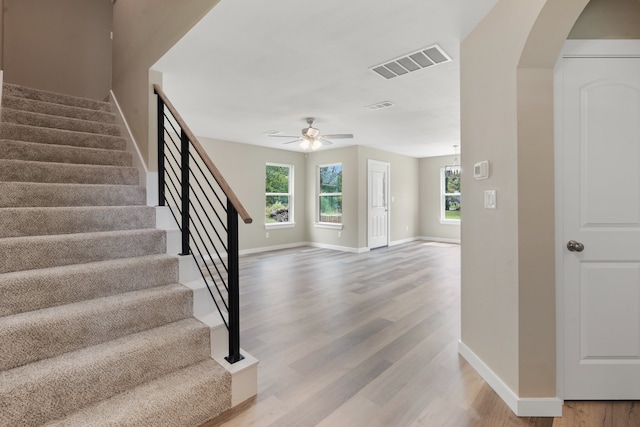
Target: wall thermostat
(481, 170)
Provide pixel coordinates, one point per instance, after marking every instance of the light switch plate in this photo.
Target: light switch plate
(490, 199)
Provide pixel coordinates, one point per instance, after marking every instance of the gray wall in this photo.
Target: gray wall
(62, 46)
(508, 298)
(404, 208)
(608, 19)
(143, 31)
(243, 166)
(348, 156)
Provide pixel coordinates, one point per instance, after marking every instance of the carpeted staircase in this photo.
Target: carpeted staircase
(94, 328)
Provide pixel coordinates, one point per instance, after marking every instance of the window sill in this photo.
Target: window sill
(277, 225)
(328, 225)
(450, 221)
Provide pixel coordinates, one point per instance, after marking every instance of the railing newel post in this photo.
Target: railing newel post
(234, 284)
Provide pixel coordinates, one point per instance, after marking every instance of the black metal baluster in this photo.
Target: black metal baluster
(184, 155)
(161, 198)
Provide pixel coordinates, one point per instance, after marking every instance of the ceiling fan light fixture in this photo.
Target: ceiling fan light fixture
(454, 170)
(311, 132)
(315, 144)
(304, 144)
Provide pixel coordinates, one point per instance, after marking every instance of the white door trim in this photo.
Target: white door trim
(572, 49)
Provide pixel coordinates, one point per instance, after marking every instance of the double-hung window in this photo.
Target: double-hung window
(278, 194)
(330, 194)
(450, 198)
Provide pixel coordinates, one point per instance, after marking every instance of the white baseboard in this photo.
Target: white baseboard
(403, 241)
(522, 407)
(148, 179)
(439, 239)
(301, 244)
(338, 248)
(271, 248)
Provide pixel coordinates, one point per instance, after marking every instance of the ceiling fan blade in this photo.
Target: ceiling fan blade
(284, 136)
(295, 140)
(337, 136)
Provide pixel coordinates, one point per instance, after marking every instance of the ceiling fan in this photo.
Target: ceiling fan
(311, 137)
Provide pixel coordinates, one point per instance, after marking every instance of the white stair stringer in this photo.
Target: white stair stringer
(244, 374)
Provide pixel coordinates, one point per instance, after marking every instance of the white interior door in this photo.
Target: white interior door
(601, 213)
(378, 195)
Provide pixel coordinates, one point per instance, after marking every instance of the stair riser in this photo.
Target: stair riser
(38, 152)
(38, 289)
(61, 137)
(41, 107)
(35, 400)
(57, 122)
(189, 397)
(20, 222)
(21, 171)
(27, 253)
(48, 333)
(54, 98)
(16, 194)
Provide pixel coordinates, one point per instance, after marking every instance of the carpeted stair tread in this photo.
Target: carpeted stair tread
(50, 332)
(96, 330)
(29, 395)
(33, 252)
(42, 135)
(30, 290)
(35, 106)
(10, 115)
(186, 398)
(54, 98)
(34, 221)
(36, 151)
(30, 171)
(24, 194)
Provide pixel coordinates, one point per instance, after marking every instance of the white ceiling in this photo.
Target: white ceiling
(254, 66)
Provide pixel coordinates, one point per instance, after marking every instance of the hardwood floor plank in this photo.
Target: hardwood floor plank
(320, 405)
(332, 353)
(370, 340)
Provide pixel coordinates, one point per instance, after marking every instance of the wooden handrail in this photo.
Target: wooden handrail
(224, 185)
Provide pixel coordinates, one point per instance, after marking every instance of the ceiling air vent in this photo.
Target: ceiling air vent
(423, 58)
(379, 105)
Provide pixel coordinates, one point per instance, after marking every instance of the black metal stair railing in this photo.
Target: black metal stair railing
(206, 210)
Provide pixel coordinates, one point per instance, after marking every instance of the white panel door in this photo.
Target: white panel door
(378, 201)
(601, 211)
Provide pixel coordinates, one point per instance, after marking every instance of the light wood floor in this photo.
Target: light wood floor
(371, 340)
